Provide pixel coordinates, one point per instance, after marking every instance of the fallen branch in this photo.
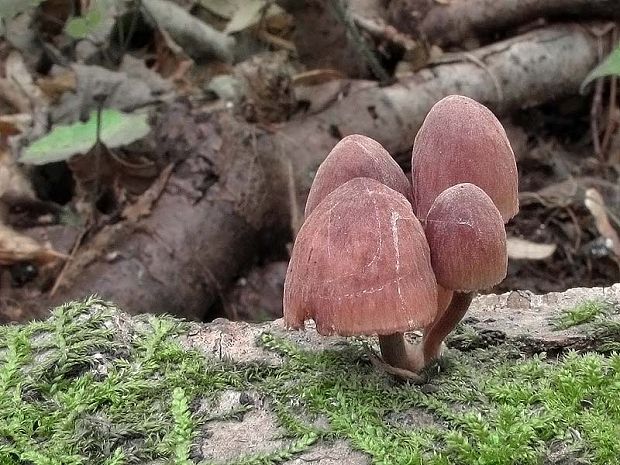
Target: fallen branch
(451, 23)
(231, 182)
(537, 67)
(196, 37)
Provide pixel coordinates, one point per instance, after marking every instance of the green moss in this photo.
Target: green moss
(76, 390)
(585, 312)
(71, 392)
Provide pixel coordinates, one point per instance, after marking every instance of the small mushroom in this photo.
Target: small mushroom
(466, 235)
(361, 265)
(462, 141)
(353, 157)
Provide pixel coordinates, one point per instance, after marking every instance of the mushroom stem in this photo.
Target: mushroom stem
(431, 343)
(399, 353)
(394, 350)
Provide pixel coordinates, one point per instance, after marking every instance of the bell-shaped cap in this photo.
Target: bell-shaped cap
(361, 265)
(467, 239)
(356, 156)
(462, 141)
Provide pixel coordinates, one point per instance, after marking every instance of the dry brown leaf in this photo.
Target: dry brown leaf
(17, 123)
(522, 249)
(11, 94)
(596, 205)
(316, 76)
(17, 73)
(12, 179)
(561, 194)
(143, 206)
(53, 87)
(7, 128)
(16, 247)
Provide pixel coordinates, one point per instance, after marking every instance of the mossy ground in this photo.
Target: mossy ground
(79, 389)
(586, 312)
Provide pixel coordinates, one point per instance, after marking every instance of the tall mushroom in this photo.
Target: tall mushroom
(462, 141)
(356, 156)
(466, 235)
(360, 266)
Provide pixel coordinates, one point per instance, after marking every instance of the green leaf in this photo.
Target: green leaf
(80, 27)
(117, 129)
(11, 8)
(609, 67)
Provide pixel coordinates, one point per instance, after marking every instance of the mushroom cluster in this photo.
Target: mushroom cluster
(378, 256)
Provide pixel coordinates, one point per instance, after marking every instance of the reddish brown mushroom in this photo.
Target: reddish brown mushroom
(356, 156)
(462, 141)
(466, 235)
(361, 265)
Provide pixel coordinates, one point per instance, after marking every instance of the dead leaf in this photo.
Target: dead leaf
(223, 8)
(14, 124)
(172, 62)
(242, 14)
(11, 94)
(596, 205)
(12, 179)
(18, 74)
(53, 87)
(54, 13)
(38, 106)
(561, 194)
(267, 86)
(142, 207)
(122, 92)
(16, 247)
(316, 76)
(321, 96)
(247, 14)
(522, 249)
(198, 39)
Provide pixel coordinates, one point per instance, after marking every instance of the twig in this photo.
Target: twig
(596, 104)
(384, 31)
(230, 310)
(276, 41)
(611, 126)
(477, 61)
(126, 164)
(98, 146)
(342, 14)
(132, 26)
(296, 216)
(74, 249)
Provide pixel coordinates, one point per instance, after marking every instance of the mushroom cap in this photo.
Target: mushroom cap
(467, 239)
(460, 141)
(361, 265)
(356, 156)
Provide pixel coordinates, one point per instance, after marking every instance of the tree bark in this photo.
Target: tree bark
(232, 181)
(457, 20)
(527, 70)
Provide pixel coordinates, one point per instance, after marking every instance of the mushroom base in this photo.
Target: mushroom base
(399, 353)
(444, 325)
